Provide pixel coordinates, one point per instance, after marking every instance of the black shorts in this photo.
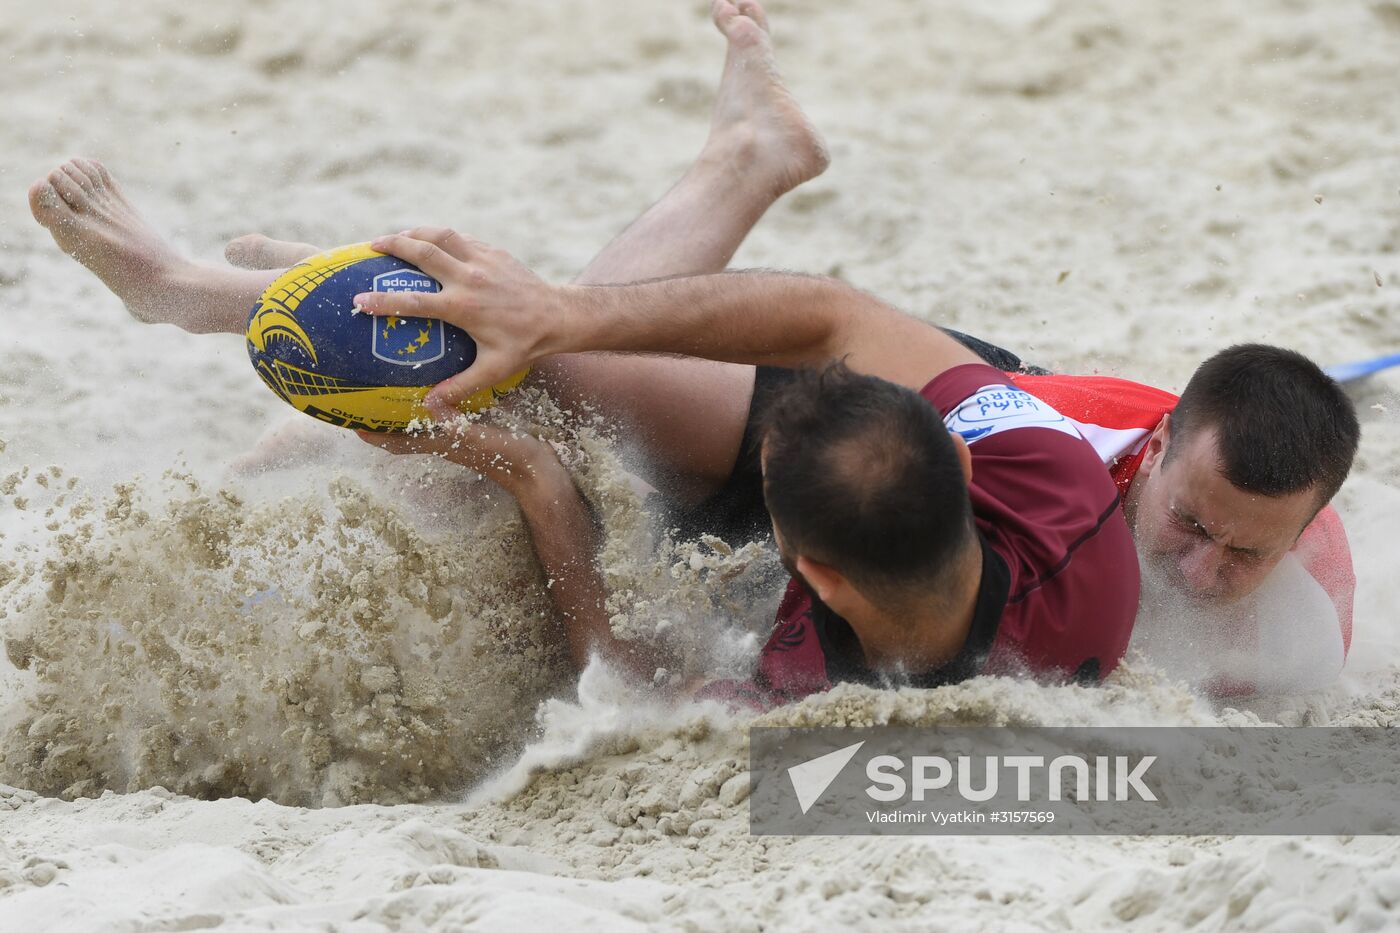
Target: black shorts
(736, 512)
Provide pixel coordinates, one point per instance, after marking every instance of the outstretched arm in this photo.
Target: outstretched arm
(772, 318)
(758, 317)
(562, 530)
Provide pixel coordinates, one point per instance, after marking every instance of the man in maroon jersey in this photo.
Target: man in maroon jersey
(1024, 467)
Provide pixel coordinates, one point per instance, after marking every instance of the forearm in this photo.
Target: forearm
(566, 540)
(759, 318)
(755, 318)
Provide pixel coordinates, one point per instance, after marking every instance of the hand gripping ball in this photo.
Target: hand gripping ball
(354, 370)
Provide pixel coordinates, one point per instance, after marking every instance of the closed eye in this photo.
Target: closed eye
(1244, 555)
(1190, 524)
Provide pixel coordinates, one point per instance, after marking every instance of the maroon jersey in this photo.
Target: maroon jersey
(1059, 587)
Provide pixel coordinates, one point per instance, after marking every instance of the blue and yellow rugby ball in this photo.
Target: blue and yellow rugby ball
(350, 369)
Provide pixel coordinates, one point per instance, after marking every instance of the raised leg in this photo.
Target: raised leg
(90, 218)
(689, 413)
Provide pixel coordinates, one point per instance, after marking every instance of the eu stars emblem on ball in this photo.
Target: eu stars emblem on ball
(355, 370)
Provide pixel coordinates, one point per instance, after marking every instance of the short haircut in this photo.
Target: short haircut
(1282, 425)
(862, 475)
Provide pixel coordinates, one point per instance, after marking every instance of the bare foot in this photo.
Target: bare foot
(757, 127)
(295, 441)
(256, 251)
(90, 219)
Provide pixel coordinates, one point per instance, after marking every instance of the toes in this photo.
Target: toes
(732, 19)
(753, 11)
(92, 170)
(44, 201)
(68, 189)
(741, 30)
(723, 13)
(73, 171)
(105, 175)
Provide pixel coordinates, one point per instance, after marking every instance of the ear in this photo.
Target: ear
(1156, 448)
(825, 579)
(964, 455)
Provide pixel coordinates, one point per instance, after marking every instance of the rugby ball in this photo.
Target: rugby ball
(354, 370)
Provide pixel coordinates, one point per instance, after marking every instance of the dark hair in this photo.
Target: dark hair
(1282, 424)
(862, 475)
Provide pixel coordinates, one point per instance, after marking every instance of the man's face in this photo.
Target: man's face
(1200, 534)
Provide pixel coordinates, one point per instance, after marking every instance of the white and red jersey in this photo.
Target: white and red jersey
(1307, 600)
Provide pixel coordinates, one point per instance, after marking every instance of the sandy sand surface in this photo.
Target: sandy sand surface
(1112, 187)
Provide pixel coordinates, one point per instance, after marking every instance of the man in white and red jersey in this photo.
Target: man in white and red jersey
(1248, 580)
